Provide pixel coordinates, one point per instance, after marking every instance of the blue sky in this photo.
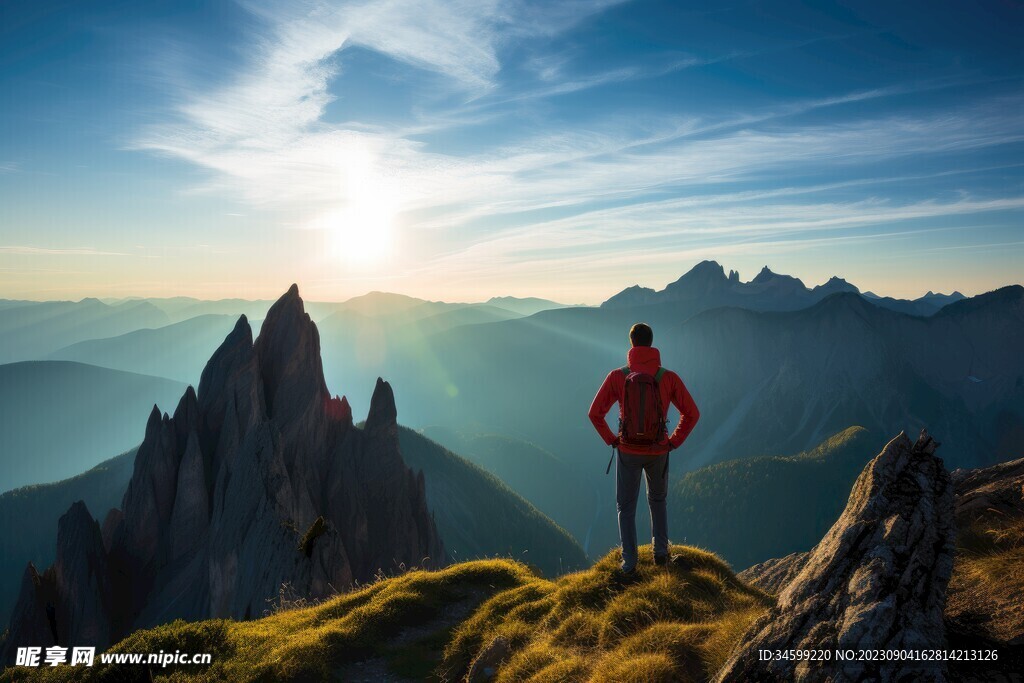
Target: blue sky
(460, 150)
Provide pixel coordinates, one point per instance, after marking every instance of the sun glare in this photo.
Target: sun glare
(361, 232)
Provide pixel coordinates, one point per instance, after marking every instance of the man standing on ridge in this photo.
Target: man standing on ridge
(643, 389)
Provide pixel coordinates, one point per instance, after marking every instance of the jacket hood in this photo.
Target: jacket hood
(645, 359)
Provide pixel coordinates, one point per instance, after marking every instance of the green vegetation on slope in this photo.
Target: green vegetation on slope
(479, 516)
(28, 519)
(537, 475)
(674, 623)
(754, 509)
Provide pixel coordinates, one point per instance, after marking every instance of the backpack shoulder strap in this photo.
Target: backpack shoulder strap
(659, 374)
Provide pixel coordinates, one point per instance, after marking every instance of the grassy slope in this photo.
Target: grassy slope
(479, 516)
(754, 509)
(675, 623)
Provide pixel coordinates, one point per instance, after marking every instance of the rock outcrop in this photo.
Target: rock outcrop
(990, 493)
(876, 580)
(775, 574)
(223, 492)
(983, 607)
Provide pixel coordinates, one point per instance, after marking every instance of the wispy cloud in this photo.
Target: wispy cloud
(22, 250)
(565, 193)
(262, 133)
(579, 169)
(680, 226)
(986, 246)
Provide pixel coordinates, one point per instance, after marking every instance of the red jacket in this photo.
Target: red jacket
(645, 359)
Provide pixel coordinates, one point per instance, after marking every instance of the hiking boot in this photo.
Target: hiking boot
(627, 570)
(661, 560)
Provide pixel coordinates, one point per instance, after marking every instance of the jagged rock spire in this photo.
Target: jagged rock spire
(83, 580)
(764, 275)
(230, 388)
(382, 407)
(186, 415)
(288, 349)
(222, 491)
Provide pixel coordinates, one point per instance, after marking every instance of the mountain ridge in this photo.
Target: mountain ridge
(706, 286)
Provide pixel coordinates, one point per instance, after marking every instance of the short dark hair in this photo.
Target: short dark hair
(641, 334)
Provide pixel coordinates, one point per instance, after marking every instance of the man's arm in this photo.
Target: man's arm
(603, 402)
(688, 413)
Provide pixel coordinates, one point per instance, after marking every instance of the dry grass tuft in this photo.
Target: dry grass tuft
(988, 579)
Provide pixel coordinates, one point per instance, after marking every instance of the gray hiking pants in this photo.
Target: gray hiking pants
(628, 469)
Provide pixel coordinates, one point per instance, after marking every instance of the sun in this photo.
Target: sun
(360, 233)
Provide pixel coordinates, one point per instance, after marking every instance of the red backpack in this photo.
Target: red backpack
(642, 420)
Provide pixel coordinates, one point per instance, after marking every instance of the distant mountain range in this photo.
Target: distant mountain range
(58, 419)
(31, 330)
(173, 337)
(373, 304)
(776, 367)
(707, 286)
(524, 306)
(171, 351)
(766, 382)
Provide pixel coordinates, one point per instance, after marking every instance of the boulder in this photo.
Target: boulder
(486, 664)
